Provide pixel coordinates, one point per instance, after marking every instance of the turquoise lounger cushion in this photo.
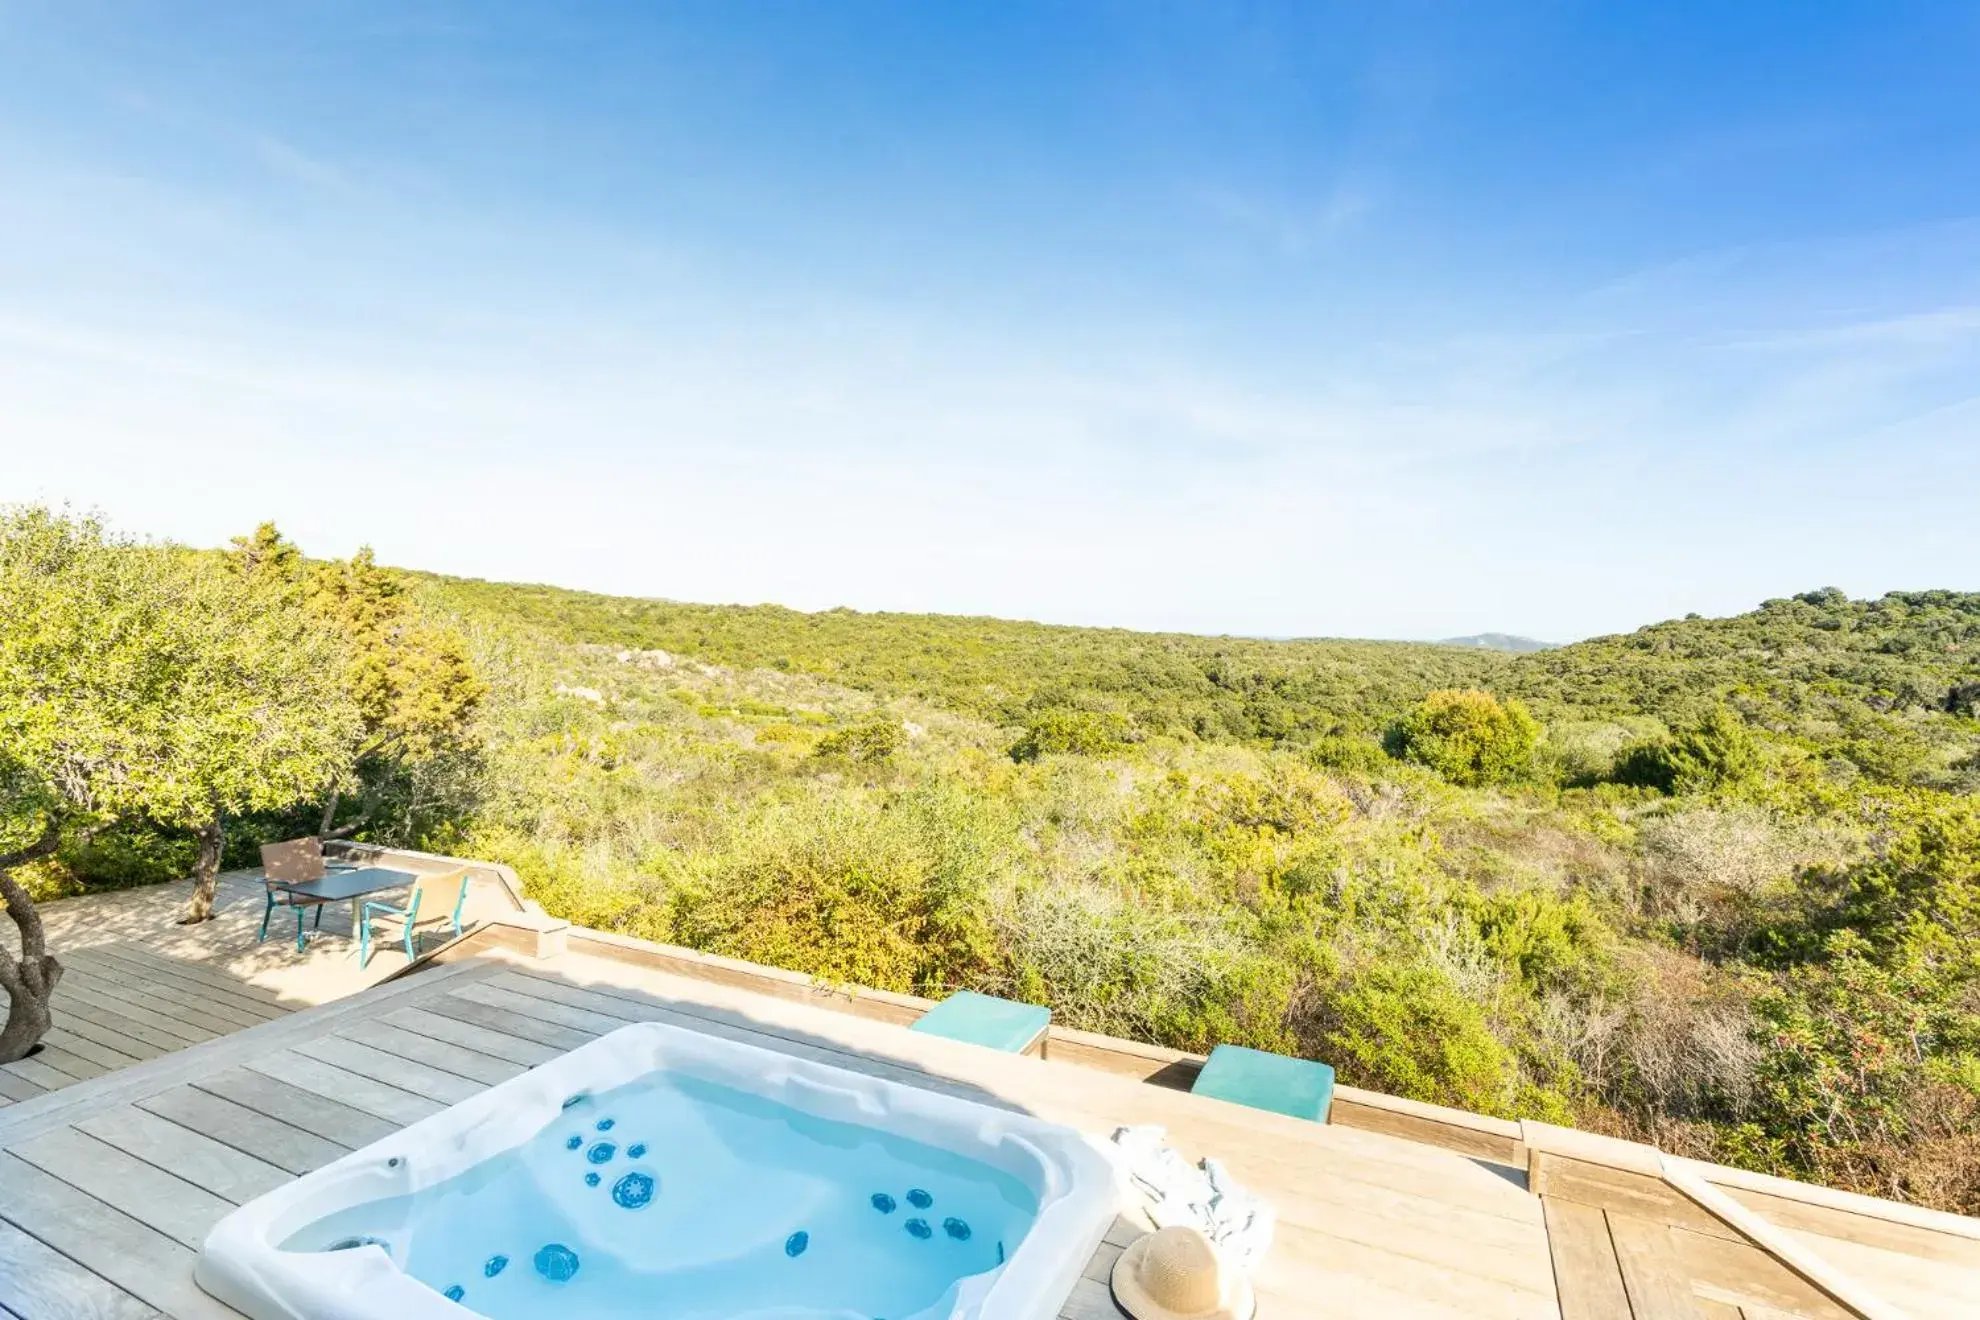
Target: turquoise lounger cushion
(1300, 1087)
(999, 1024)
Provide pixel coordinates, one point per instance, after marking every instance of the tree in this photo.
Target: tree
(30, 979)
(148, 680)
(1469, 737)
(411, 683)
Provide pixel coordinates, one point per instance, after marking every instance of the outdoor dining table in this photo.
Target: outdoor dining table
(356, 885)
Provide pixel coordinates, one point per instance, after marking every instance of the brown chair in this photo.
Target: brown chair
(293, 863)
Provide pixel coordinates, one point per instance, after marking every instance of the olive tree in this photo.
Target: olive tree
(30, 979)
(141, 680)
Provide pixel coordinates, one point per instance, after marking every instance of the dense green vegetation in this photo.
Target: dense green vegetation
(1710, 883)
(1715, 883)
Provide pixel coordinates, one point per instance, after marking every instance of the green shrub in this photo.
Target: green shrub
(1338, 752)
(1405, 1029)
(885, 893)
(1469, 737)
(1548, 942)
(1078, 732)
(1848, 1042)
(134, 854)
(1717, 753)
(868, 744)
(128, 855)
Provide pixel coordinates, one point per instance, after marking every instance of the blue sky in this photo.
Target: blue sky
(1381, 320)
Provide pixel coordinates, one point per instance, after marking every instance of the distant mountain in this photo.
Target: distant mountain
(1499, 642)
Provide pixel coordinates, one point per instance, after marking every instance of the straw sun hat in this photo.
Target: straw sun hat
(1175, 1274)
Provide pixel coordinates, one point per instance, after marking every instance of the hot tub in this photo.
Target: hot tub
(659, 1172)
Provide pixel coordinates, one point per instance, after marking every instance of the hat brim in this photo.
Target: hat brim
(1242, 1303)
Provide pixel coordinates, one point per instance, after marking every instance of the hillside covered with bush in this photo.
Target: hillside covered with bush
(1715, 883)
(1711, 883)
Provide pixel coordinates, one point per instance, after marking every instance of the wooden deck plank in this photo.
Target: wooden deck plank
(155, 1198)
(79, 1066)
(559, 1038)
(125, 1004)
(16, 1087)
(1918, 1286)
(459, 1060)
(129, 1046)
(143, 959)
(1587, 1275)
(39, 1283)
(287, 1146)
(184, 1153)
(1091, 1301)
(110, 1244)
(200, 1007)
(129, 1084)
(43, 1071)
(168, 987)
(1658, 1285)
(1844, 1226)
(1624, 1193)
(544, 1009)
(70, 1011)
(600, 1013)
(380, 1066)
(396, 1107)
(425, 1021)
(83, 1047)
(323, 1116)
(1743, 1274)
(1365, 1281)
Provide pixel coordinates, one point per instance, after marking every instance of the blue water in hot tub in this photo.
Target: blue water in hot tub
(681, 1198)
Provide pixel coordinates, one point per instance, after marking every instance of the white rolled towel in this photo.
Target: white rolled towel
(1200, 1196)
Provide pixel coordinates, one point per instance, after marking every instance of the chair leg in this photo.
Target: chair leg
(364, 942)
(266, 913)
(300, 936)
(410, 955)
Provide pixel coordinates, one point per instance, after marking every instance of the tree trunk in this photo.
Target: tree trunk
(206, 873)
(30, 981)
(329, 815)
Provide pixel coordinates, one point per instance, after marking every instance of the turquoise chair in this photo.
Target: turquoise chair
(997, 1024)
(1300, 1087)
(438, 897)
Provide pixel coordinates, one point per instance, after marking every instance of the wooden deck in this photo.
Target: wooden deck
(110, 1180)
(136, 985)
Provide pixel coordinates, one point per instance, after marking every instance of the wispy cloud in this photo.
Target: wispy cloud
(1294, 229)
(1931, 329)
(292, 163)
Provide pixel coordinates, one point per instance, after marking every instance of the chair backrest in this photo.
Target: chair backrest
(293, 862)
(438, 896)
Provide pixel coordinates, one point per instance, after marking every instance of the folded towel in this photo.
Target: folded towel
(1202, 1196)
